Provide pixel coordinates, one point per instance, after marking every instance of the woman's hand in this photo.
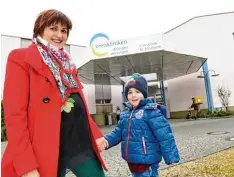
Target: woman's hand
(33, 173)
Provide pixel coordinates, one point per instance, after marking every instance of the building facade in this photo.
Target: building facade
(211, 36)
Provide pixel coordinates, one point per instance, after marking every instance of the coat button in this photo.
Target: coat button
(47, 80)
(46, 100)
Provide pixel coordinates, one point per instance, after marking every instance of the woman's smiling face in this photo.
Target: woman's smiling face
(56, 35)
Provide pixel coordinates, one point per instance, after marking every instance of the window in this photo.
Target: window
(99, 101)
(103, 94)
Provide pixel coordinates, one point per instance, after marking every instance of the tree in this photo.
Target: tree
(224, 94)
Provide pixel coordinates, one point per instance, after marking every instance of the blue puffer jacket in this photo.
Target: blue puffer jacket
(145, 134)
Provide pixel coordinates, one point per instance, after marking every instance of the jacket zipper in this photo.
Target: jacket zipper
(129, 123)
(144, 146)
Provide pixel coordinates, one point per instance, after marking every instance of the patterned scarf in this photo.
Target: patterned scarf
(60, 65)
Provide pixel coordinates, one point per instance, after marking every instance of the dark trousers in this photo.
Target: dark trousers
(90, 168)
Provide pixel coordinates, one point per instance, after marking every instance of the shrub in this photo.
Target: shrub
(3, 127)
(220, 113)
(216, 113)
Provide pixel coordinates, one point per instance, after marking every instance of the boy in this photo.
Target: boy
(144, 132)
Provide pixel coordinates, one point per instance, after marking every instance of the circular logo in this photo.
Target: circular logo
(92, 45)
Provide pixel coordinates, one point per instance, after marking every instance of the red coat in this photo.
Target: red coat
(32, 109)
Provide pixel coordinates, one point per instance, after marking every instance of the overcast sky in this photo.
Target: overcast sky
(116, 18)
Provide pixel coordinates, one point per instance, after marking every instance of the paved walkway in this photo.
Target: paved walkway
(191, 137)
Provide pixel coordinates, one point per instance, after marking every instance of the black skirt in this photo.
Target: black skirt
(75, 139)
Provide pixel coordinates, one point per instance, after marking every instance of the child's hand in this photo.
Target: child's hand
(102, 144)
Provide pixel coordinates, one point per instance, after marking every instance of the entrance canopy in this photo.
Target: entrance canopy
(111, 61)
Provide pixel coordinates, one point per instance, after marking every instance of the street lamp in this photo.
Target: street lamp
(203, 74)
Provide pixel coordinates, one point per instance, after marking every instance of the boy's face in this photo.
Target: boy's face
(134, 97)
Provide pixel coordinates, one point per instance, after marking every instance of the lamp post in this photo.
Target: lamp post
(205, 74)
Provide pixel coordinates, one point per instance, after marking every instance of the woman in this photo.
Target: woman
(48, 125)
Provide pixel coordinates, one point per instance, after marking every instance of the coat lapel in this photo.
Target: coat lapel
(34, 59)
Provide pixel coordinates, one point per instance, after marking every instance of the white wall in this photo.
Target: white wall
(211, 37)
(182, 89)
(7, 45)
(116, 96)
(79, 55)
(89, 92)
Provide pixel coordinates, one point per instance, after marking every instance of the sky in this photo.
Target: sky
(116, 18)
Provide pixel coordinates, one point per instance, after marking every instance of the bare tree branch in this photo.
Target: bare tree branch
(224, 96)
